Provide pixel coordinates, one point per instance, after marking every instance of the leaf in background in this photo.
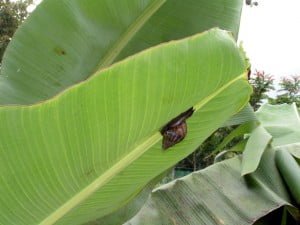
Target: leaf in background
(217, 195)
(66, 41)
(224, 155)
(239, 147)
(256, 145)
(294, 149)
(290, 171)
(85, 153)
(240, 131)
(282, 122)
(245, 115)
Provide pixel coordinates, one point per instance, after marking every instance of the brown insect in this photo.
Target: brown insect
(175, 131)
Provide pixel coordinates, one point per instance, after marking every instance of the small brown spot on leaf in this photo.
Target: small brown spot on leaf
(89, 172)
(59, 51)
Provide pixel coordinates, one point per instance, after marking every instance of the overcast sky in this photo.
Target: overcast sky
(271, 36)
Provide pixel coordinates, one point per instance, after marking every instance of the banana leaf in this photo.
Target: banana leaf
(257, 143)
(279, 123)
(64, 42)
(86, 152)
(282, 122)
(218, 195)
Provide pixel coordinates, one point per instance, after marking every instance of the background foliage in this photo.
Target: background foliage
(262, 83)
(12, 14)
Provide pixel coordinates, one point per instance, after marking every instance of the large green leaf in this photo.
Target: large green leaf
(282, 122)
(256, 145)
(294, 149)
(86, 152)
(290, 170)
(240, 131)
(130, 208)
(217, 195)
(66, 41)
(278, 122)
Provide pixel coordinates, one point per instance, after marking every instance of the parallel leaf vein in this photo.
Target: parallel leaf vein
(122, 164)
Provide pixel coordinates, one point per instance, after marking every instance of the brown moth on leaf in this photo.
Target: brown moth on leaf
(175, 130)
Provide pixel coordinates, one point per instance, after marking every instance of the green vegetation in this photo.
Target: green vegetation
(220, 194)
(289, 92)
(82, 112)
(12, 14)
(262, 83)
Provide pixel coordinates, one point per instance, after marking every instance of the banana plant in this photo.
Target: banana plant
(65, 42)
(86, 91)
(220, 195)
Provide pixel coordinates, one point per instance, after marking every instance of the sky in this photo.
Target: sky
(271, 36)
(32, 7)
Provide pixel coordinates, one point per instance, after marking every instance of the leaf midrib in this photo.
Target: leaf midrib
(123, 163)
(123, 40)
